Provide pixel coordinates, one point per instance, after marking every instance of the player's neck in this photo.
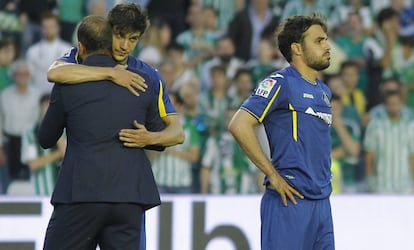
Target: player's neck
(307, 73)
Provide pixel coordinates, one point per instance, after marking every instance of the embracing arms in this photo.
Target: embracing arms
(71, 73)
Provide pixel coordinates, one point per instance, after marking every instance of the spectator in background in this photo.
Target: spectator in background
(225, 10)
(7, 56)
(10, 24)
(226, 169)
(19, 110)
(189, 95)
(155, 42)
(43, 163)
(359, 7)
(214, 102)
(173, 11)
(173, 169)
(30, 16)
(3, 168)
(99, 7)
(70, 13)
(198, 42)
(352, 43)
(211, 20)
(166, 69)
(403, 55)
(182, 72)
(327, 8)
(243, 86)
(249, 25)
(223, 55)
(387, 38)
(346, 135)
(102, 7)
(380, 112)
(352, 94)
(302, 7)
(389, 146)
(265, 63)
(43, 53)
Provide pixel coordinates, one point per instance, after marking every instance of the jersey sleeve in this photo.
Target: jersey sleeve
(165, 105)
(71, 56)
(269, 95)
(156, 84)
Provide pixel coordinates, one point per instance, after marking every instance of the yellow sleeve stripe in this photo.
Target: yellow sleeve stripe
(294, 122)
(269, 104)
(161, 105)
(77, 57)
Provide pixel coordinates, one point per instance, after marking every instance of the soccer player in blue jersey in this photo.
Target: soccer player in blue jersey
(294, 107)
(128, 22)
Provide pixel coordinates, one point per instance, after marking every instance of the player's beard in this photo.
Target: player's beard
(317, 63)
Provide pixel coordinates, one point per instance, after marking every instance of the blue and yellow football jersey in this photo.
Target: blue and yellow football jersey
(297, 117)
(150, 74)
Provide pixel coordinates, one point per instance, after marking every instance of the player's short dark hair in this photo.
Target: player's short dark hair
(127, 18)
(292, 30)
(95, 34)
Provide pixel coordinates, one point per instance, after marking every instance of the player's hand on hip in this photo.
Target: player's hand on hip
(130, 80)
(136, 138)
(285, 190)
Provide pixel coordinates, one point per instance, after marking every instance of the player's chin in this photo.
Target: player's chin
(120, 58)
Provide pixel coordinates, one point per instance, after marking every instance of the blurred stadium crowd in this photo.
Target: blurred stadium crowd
(211, 55)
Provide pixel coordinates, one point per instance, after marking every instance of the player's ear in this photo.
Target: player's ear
(82, 49)
(296, 49)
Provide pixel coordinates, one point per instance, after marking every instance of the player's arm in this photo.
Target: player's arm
(241, 127)
(71, 73)
(172, 134)
(140, 137)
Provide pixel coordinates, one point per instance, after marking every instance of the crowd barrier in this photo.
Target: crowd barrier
(198, 222)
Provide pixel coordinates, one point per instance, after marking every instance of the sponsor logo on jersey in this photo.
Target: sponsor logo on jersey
(265, 87)
(326, 99)
(327, 118)
(306, 95)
